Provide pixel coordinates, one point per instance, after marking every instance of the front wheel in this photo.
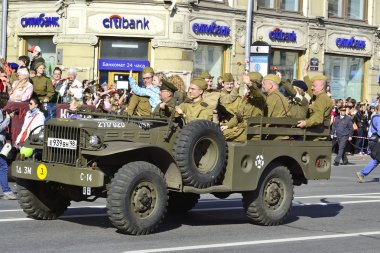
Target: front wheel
(138, 198)
(270, 203)
(41, 200)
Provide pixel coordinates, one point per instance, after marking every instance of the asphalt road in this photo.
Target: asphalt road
(338, 215)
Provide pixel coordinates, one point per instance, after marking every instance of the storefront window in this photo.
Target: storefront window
(209, 57)
(346, 76)
(285, 62)
(48, 49)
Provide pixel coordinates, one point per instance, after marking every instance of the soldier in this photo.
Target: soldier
(210, 95)
(139, 105)
(343, 130)
(42, 86)
(277, 105)
(167, 106)
(298, 98)
(227, 110)
(196, 108)
(320, 110)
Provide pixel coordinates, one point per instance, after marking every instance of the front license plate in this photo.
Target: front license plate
(62, 143)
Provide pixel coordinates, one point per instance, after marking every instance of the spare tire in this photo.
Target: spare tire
(201, 153)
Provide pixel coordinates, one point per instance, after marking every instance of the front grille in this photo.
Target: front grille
(61, 155)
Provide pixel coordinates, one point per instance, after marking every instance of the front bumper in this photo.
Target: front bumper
(40, 171)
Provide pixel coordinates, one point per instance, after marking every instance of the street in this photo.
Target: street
(338, 215)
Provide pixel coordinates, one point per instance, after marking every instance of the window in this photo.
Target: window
(209, 57)
(133, 49)
(348, 9)
(281, 5)
(48, 49)
(346, 76)
(285, 62)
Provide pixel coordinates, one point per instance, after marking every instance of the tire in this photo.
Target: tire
(270, 203)
(137, 199)
(40, 201)
(180, 202)
(201, 154)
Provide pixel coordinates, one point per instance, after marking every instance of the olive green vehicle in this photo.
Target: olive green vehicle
(146, 167)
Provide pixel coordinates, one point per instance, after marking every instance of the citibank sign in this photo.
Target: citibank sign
(118, 22)
(212, 28)
(350, 43)
(40, 21)
(278, 34)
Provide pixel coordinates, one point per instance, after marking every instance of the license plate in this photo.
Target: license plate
(62, 143)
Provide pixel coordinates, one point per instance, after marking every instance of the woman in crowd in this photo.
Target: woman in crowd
(22, 89)
(33, 121)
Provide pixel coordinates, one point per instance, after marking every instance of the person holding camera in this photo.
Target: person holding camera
(34, 118)
(5, 119)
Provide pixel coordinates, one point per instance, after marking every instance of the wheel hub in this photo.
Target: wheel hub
(144, 199)
(274, 194)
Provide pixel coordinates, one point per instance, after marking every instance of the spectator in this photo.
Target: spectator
(36, 56)
(23, 62)
(4, 123)
(42, 85)
(342, 129)
(33, 121)
(22, 89)
(361, 121)
(71, 88)
(57, 83)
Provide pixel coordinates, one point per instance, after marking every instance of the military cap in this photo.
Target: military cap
(168, 86)
(318, 77)
(205, 75)
(201, 83)
(300, 84)
(227, 77)
(255, 76)
(147, 70)
(38, 64)
(274, 78)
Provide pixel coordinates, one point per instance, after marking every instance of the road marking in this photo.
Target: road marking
(61, 217)
(234, 244)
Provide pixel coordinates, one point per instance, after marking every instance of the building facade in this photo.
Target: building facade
(106, 39)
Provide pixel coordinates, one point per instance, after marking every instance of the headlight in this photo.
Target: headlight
(41, 135)
(94, 140)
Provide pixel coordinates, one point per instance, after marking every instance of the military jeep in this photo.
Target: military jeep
(146, 167)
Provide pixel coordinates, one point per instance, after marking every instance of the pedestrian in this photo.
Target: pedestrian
(36, 56)
(374, 132)
(5, 121)
(343, 130)
(361, 121)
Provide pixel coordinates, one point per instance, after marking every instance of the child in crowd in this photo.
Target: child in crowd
(152, 91)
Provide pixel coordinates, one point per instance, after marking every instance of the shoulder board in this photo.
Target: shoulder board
(204, 104)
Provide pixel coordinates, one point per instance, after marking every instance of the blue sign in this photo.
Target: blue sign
(118, 22)
(350, 43)
(122, 65)
(40, 21)
(278, 34)
(212, 28)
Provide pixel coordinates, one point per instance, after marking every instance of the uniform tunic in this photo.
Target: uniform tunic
(320, 110)
(139, 106)
(196, 110)
(167, 112)
(43, 87)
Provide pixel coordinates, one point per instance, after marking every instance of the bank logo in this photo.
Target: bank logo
(118, 22)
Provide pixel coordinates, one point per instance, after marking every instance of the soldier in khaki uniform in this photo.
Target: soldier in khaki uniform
(139, 105)
(298, 98)
(196, 108)
(42, 85)
(321, 107)
(167, 106)
(228, 108)
(277, 104)
(210, 95)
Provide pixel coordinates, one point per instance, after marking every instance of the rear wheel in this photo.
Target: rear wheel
(138, 198)
(180, 202)
(41, 200)
(270, 203)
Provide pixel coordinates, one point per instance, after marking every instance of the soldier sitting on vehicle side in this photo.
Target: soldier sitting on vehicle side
(168, 101)
(195, 108)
